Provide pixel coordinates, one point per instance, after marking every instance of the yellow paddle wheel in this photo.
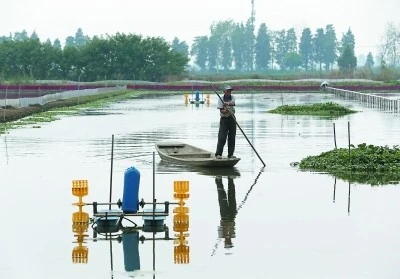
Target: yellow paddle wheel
(181, 223)
(80, 222)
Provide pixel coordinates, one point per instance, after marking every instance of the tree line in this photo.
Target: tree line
(230, 47)
(236, 46)
(118, 57)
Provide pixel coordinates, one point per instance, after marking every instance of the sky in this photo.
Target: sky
(188, 19)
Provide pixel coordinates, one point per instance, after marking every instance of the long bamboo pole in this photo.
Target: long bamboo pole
(239, 126)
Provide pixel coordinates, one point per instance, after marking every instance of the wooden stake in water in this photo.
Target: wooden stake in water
(334, 135)
(4, 115)
(348, 198)
(111, 172)
(154, 187)
(348, 129)
(348, 204)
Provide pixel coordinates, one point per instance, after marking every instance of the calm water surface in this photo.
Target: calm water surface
(288, 223)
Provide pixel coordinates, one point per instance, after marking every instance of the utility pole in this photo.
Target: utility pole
(253, 14)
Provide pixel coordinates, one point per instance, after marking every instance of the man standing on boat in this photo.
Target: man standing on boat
(227, 123)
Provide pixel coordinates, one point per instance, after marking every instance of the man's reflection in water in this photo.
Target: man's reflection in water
(227, 206)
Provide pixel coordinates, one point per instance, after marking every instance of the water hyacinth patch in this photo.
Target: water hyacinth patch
(369, 164)
(321, 109)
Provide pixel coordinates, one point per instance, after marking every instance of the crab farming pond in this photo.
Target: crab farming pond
(246, 222)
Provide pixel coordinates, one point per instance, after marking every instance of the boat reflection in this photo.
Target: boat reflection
(168, 167)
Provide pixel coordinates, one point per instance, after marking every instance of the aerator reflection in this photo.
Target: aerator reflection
(119, 215)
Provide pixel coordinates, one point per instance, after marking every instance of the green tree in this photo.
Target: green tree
(262, 48)
(21, 36)
(390, 46)
(220, 42)
(369, 63)
(57, 44)
(318, 47)
(80, 39)
(128, 55)
(305, 48)
(330, 47)
(238, 46)
(292, 60)
(347, 61)
(213, 53)
(70, 41)
(274, 47)
(291, 40)
(199, 51)
(226, 62)
(54, 60)
(5, 38)
(248, 49)
(34, 36)
(6, 58)
(181, 47)
(49, 66)
(69, 63)
(281, 49)
(347, 40)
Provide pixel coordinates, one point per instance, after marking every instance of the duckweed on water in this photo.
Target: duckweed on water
(368, 164)
(71, 106)
(324, 109)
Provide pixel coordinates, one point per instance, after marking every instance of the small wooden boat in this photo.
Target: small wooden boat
(185, 154)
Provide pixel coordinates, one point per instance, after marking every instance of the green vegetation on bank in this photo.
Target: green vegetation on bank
(324, 109)
(367, 164)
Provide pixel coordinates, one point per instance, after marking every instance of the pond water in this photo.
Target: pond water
(287, 223)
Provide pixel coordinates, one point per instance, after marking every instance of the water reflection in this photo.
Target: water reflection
(348, 200)
(80, 222)
(169, 167)
(348, 195)
(288, 198)
(181, 223)
(228, 211)
(370, 178)
(107, 225)
(6, 148)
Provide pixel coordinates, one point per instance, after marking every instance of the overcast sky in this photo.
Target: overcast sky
(187, 19)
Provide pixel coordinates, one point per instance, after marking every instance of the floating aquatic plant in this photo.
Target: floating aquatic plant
(52, 111)
(320, 109)
(369, 164)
